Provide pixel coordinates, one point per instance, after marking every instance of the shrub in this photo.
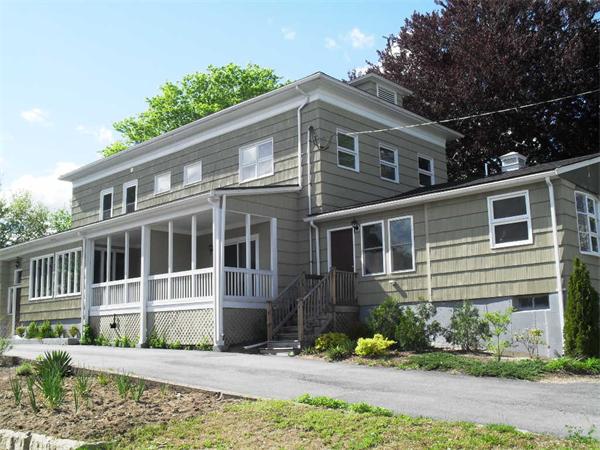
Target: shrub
(531, 339)
(20, 330)
(330, 340)
(87, 335)
(51, 384)
(74, 331)
(33, 331)
(384, 318)
(375, 346)
(4, 345)
(205, 345)
(466, 329)
(123, 341)
(415, 329)
(154, 341)
(589, 366)
(340, 351)
(581, 330)
(24, 370)
(175, 345)
(46, 330)
(55, 361)
(17, 390)
(102, 341)
(59, 330)
(499, 322)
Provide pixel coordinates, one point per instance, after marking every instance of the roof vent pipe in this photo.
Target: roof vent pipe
(512, 161)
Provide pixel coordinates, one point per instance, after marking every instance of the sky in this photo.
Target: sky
(69, 69)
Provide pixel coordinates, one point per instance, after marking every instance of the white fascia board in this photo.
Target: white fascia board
(40, 244)
(578, 165)
(433, 197)
(256, 191)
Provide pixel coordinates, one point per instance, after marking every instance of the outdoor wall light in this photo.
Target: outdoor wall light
(354, 224)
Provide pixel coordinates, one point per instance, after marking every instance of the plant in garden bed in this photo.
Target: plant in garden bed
(31, 394)
(205, 345)
(4, 345)
(137, 390)
(102, 341)
(45, 330)
(32, 331)
(589, 366)
(416, 329)
(123, 341)
(87, 336)
(124, 383)
(531, 339)
(24, 370)
(17, 390)
(20, 330)
(58, 360)
(74, 331)
(499, 322)
(51, 384)
(103, 379)
(59, 330)
(466, 328)
(175, 345)
(375, 346)
(82, 385)
(156, 341)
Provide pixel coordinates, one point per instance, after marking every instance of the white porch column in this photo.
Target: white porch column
(144, 271)
(108, 267)
(218, 234)
(247, 276)
(87, 272)
(275, 279)
(194, 238)
(126, 268)
(13, 306)
(170, 261)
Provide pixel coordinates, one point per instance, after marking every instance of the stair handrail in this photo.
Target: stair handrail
(314, 303)
(284, 306)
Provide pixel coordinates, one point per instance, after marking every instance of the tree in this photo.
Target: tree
(476, 56)
(22, 219)
(499, 321)
(196, 96)
(581, 330)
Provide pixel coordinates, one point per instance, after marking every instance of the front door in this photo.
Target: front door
(341, 249)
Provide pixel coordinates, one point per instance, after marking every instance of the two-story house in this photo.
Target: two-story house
(228, 228)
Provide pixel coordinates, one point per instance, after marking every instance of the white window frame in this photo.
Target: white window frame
(354, 153)
(15, 277)
(420, 171)
(258, 160)
(329, 244)
(104, 192)
(76, 273)
(394, 166)
(242, 240)
(126, 186)
(156, 177)
(517, 310)
(389, 247)
(43, 277)
(587, 196)
(508, 220)
(383, 248)
(186, 181)
(378, 86)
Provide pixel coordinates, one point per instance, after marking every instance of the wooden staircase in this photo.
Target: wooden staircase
(305, 309)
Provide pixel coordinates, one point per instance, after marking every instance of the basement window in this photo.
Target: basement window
(531, 303)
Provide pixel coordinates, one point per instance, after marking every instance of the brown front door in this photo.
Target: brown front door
(341, 249)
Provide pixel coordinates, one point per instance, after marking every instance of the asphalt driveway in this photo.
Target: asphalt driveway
(532, 406)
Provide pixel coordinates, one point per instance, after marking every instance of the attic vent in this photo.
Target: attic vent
(386, 94)
(512, 161)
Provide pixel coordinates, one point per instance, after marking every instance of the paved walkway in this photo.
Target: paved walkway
(539, 407)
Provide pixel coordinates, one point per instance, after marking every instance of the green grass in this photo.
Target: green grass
(286, 424)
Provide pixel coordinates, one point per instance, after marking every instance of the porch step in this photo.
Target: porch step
(283, 347)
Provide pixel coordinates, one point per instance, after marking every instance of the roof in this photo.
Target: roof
(549, 167)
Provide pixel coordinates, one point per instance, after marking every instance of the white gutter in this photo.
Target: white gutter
(299, 119)
(559, 283)
(255, 191)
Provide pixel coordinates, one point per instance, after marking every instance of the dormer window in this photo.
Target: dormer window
(130, 196)
(386, 94)
(106, 203)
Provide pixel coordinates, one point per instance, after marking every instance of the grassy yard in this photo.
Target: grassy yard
(286, 424)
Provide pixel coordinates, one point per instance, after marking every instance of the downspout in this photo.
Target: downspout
(559, 284)
(299, 119)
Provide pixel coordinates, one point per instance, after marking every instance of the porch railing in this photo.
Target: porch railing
(248, 283)
(189, 284)
(117, 292)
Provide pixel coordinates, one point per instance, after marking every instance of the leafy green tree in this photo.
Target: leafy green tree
(581, 331)
(499, 322)
(22, 219)
(466, 328)
(196, 96)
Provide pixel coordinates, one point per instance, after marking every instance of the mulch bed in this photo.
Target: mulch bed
(107, 415)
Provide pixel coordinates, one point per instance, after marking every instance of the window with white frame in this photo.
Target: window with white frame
(256, 160)
(531, 303)
(402, 248)
(106, 203)
(41, 279)
(162, 183)
(587, 222)
(130, 196)
(372, 248)
(425, 171)
(510, 219)
(388, 163)
(67, 272)
(192, 173)
(347, 151)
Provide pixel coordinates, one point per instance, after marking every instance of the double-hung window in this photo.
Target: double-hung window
(192, 173)
(347, 151)
(587, 223)
(509, 219)
(40, 277)
(130, 196)
(425, 171)
(388, 163)
(67, 273)
(162, 183)
(402, 248)
(372, 248)
(256, 160)
(106, 203)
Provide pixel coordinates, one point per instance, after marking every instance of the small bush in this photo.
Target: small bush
(59, 330)
(4, 345)
(175, 345)
(17, 390)
(499, 322)
(20, 330)
(32, 331)
(56, 360)
(124, 384)
(384, 318)
(205, 345)
(46, 330)
(103, 379)
(123, 342)
(137, 390)
(589, 366)
(25, 369)
(416, 329)
(375, 346)
(102, 341)
(155, 341)
(87, 336)
(74, 331)
(332, 403)
(466, 328)
(531, 339)
(330, 340)
(340, 351)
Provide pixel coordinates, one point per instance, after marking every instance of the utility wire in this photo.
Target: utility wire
(489, 113)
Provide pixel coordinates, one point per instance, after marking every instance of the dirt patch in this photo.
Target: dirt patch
(107, 415)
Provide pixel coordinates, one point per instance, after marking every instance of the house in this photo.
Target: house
(228, 229)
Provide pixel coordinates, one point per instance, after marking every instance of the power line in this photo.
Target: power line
(472, 116)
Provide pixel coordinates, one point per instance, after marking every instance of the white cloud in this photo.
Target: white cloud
(330, 43)
(358, 39)
(46, 188)
(35, 115)
(361, 70)
(102, 134)
(288, 34)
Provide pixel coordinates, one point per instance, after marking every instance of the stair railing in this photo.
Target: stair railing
(315, 304)
(280, 310)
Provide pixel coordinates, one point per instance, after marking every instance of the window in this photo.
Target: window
(587, 222)
(130, 196)
(106, 203)
(192, 173)
(117, 265)
(347, 151)
(67, 273)
(425, 170)
(386, 94)
(256, 160)
(372, 248)
(17, 277)
(509, 219)
(235, 254)
(388, 163)
(162, 183)
(531, 303)
(40, 277)
(402, 249)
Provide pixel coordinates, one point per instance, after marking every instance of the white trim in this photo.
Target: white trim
(389, 247)
(34, 281)
(329, 231)
(62, 253)
(508, 220)
(362, 248)
(186, 181)
(587, 214)
(347, 151)
(126, 186)
(393, 91)
(578, 165)
(103, 193)
(393, 165)
(257, 161)
(429, 173)
(156, 177)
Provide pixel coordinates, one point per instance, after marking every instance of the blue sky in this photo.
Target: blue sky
(69, 69)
